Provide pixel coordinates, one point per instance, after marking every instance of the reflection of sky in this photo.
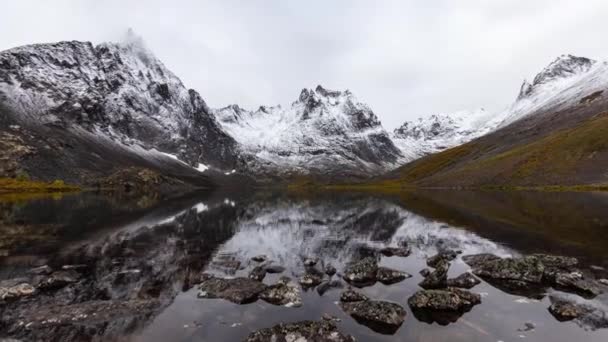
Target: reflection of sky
(289, 231)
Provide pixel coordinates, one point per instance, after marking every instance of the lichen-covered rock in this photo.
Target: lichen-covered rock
(438, 278)
(389, 276)
(362, 272)
(258, 273)
(380, 316)
(282, 294)
(318, 331)
(237, 290)
(465, 280)
(476, 260)
(330, 270)
(528, 269)
(449, 299)
(444, 255)
(351, 295)
(576, 282)
(310, 280)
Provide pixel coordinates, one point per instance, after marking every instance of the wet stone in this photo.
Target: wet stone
(425, 272)
(258, 273)
(259, 258)
(450, 299)
(351, 295)
(329, 285)
(444, 255)
(362, 272)
(330, 270)
(381, 316)
(465, 280)
(16, 291)
(282, 294)
(438, 278)
(275, 269)
(311, 261)
(389, 276)
(476, 260)
(58, 279)
(309, 280)
(396, 251)
(526, 269)
(576, 282)
(45, 269)
(236, 290)
(603, 282)
(318, 331)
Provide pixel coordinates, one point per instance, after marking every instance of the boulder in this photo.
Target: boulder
(237, 290)
(259, 258)
(449, 299)
(310, 280)
(380, 316)
(282, 294)
(444, 255)
(273, 269)
(311, 261)
(576, 282)
(590, 315)
(330, 270)
(527, 269)
(476, 260)
(258, 273)
(438, 278)
(396, 251)
(389, 276)
(465, 280)
(351, 295)
(318, 331)
(362, 272)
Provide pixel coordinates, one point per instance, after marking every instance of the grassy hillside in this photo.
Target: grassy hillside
(575, 155)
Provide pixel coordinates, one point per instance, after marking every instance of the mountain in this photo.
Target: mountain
(106, 107)
(438, 132)
(324, 133)
(555, 133)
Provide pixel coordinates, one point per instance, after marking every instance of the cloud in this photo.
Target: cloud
(404, 58)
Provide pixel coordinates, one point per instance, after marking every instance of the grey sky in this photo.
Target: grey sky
(406, 59)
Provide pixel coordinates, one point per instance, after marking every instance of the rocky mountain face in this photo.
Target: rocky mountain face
(116, 94)
(554, 133)
(323, 133)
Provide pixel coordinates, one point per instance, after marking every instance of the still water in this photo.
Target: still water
(136, 262)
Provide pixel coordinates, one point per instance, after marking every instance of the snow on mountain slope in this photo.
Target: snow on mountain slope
(564, 82)
(324, 131)
(119, 91)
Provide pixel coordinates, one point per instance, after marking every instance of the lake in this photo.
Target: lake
(128, 268)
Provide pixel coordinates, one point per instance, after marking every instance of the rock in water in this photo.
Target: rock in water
(330, 270)
(576, 282)
(275, 269)
(380, 316)
(236, 290)
(445, 255)
(389, 276)
(318, 331)
(526, 269)
(395, 251)
(465, 280)
(282, 294)
(588, 315)
(476, 260)
(260, 258)
(310, 280)
(351, 295)
(58, 280)
(258, 273)
(362, 272)
(309, 262)
(438, 278)
(328, 285)
(450, 299)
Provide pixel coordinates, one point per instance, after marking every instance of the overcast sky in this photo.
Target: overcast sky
(406, 59)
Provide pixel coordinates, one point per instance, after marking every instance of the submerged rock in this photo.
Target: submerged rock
(286, 294)
(362, 272)
(273, 269)
(351, 295)
(465, 280)
(438, 278)
(389, 276)
(318, 331)
(311, 261)
(380, 316)
(328, 285)
(396, 251)
(330, 270)
(259, 258)
(237, 290)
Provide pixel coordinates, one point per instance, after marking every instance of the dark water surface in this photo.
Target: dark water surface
(150, 253)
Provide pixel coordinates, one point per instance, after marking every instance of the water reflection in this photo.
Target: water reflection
(135, 263)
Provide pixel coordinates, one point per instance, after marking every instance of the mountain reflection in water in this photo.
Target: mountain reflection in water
(136, 263)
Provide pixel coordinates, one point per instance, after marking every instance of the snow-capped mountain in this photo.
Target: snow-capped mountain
(563, 82)
(323, 132)
(117, 91)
